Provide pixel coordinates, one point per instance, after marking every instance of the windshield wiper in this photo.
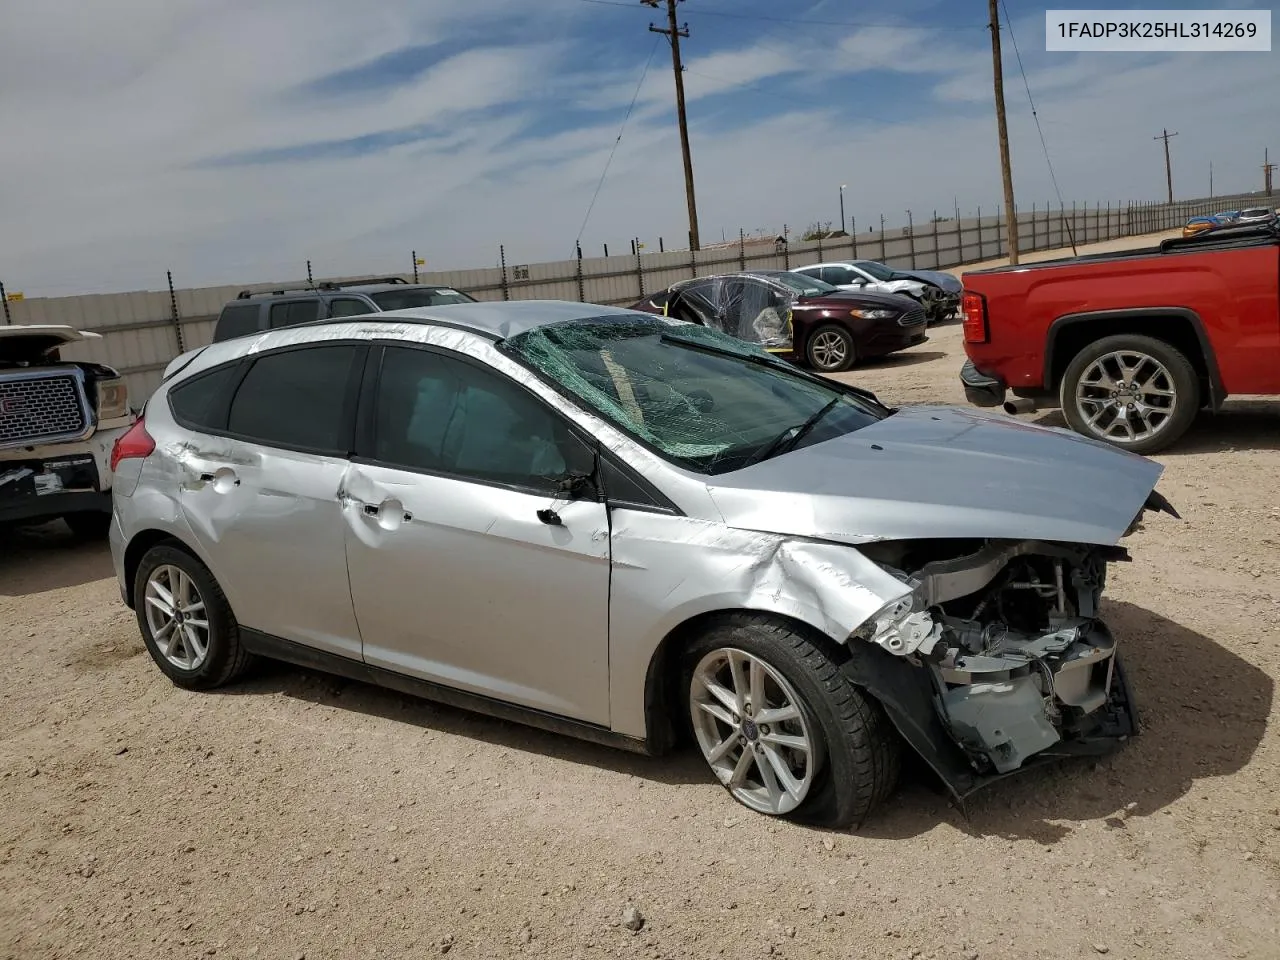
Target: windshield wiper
(788, 439)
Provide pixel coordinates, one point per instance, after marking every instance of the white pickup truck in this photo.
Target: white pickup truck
(58, 422)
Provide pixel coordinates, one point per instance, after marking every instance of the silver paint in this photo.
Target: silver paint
(460, 583)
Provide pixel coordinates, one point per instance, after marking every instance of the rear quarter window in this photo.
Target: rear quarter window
(237, 320)
(200, 403)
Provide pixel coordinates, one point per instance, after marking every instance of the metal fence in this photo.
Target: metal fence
(143, 331)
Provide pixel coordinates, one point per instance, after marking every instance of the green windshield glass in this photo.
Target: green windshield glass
(699, 397)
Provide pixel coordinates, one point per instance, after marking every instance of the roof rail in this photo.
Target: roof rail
(339, 284)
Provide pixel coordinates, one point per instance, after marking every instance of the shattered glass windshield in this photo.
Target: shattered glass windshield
(698, 397)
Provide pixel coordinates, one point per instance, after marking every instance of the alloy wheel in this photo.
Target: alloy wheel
(1126, 396)
(752, 731)
(176, 617)
(829, 349)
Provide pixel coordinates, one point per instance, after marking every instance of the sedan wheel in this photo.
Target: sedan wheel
(830, 350)
(186, 622)
(782, 727)
(752, 731)
(176, 616)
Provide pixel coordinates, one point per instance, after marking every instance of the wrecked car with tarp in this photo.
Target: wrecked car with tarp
(752, 309)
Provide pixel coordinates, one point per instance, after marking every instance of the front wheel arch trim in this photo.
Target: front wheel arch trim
(1216, 394)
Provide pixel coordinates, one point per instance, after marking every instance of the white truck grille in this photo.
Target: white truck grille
(40, 409)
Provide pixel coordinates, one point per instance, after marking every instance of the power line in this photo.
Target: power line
(1053, 177)
(634, 97)
(791, 20)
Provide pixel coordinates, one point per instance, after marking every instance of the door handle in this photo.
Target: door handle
(372, 509)
(220, 475)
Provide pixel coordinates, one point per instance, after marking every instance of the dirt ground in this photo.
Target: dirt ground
(297, 815)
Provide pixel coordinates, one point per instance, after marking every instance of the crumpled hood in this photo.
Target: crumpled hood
(946, 281)
(943, 472)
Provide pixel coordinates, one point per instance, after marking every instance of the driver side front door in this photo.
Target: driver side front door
(465, 570)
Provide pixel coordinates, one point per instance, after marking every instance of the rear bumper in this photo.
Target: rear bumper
(980, 389)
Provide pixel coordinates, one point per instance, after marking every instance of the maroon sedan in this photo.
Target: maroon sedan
(797, 317)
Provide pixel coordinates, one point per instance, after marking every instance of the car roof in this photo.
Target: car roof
(322, 290)
(498, 319)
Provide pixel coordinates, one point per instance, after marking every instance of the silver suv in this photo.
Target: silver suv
(628, 528)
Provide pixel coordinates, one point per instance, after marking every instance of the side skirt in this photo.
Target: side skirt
(274, 648)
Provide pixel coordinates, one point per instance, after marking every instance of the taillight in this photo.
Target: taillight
(134, 443)
(974, 308)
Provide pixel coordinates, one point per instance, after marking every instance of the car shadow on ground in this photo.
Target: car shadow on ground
(1203, 710)
(1242, 425)
(905, 359)
(1203, 713)
(48, 557)
(683, 767)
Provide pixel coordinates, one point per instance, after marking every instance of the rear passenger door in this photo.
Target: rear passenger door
(262, 496)
(349, 307)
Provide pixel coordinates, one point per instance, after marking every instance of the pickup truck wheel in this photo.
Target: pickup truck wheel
(1134, 392)
(830, 349)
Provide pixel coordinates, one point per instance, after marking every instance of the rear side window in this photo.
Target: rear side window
(237, 320)
(201, 402)
(293, 312)
(297, 399)
(349, 307)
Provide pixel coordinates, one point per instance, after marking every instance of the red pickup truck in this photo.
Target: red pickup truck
(1132, 344)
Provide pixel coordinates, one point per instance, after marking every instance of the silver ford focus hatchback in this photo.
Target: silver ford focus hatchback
(634, 530)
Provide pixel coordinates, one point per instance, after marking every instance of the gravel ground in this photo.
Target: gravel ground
(298, 815)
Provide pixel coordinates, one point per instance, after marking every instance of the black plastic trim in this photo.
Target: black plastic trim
(1216, 392)
(980, 389)
(290, 652)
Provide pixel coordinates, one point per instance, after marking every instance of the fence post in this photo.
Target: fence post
(937, 258)
(4, 298)
(639, 267)
(911, 239)
(959, 236)
(502, 259)
(582, 284)
(820, 256)
(882, 238)
(742, 249)
(693, 261)
(853, 236)
(173, 310)
(981, 255)
(786, 248)
(414, 255)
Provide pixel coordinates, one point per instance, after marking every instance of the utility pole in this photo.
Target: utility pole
(1267, 167)
(1168, 165)
(843, 221)
(1006, 171)
(673, 33)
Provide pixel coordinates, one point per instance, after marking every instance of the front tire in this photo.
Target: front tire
(1134, 392)
(186, 622)
(830, 349)
(783, 729)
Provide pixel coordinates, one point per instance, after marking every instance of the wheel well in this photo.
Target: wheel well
(664, 728)
(137, 549)
(1177, 331)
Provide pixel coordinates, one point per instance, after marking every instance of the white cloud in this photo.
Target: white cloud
(111, 114)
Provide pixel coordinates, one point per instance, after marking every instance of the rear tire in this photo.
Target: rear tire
(1148, 378)
(830, 349)
(853, 756)
(200, 648)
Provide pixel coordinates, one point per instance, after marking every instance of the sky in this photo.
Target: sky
(233, 140)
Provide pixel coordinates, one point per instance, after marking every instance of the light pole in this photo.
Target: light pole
(842, 220)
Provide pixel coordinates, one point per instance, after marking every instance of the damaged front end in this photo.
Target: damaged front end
(1006, 658)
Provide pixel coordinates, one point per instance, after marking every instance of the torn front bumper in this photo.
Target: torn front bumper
(39, 489)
